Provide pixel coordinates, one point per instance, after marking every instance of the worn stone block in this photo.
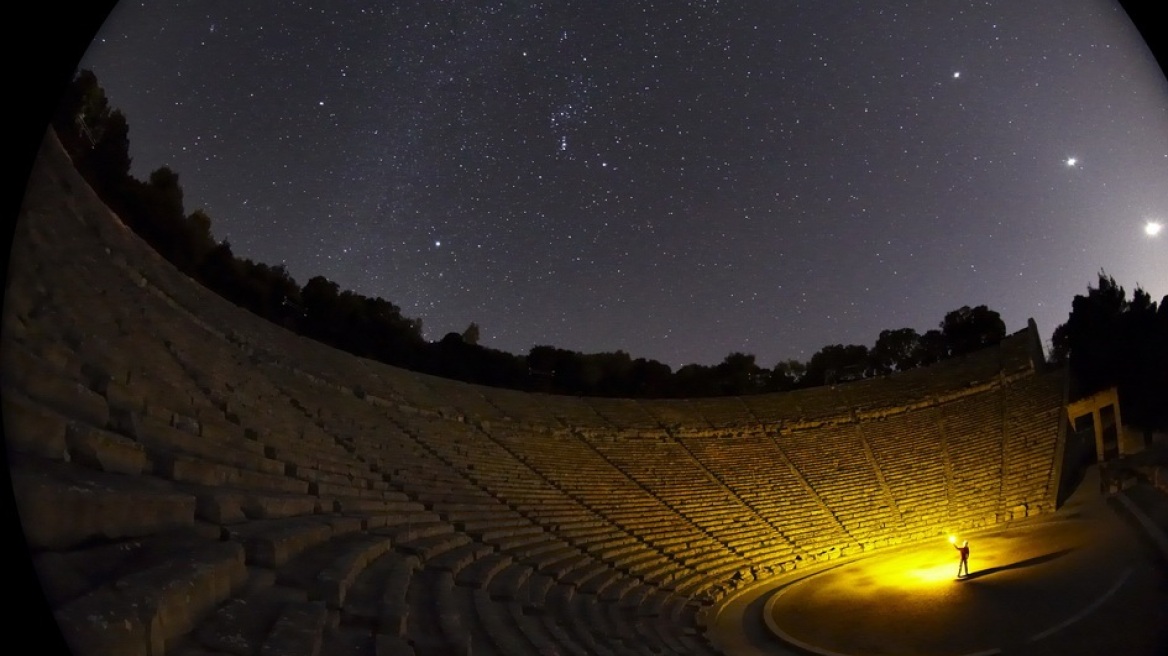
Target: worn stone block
(33, 429)
(59, 512)
(104, 450)
(298, 631)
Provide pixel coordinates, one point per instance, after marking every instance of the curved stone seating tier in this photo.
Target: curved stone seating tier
(720, 413)
(195, 480)
(909, 450)
(973, 439)
(757, 471)
(834, 461)
(668, 471)
(625, 413)
(521, 407)
(1029, 457)
(674, 413)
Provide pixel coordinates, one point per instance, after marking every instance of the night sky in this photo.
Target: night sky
(677, 180)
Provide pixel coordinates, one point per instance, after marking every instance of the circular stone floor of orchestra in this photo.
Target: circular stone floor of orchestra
(1082, 581)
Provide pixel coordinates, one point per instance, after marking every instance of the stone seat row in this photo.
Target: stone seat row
(280, 544)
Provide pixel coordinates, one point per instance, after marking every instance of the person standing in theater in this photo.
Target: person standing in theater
(964, 564)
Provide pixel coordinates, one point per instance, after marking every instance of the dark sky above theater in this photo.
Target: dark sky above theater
(678, 180)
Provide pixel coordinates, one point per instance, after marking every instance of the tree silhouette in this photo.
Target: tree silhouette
(966, 330)
(1111, 341)
(834, 364)
(738, 374)
(895, 350)
(786, 375)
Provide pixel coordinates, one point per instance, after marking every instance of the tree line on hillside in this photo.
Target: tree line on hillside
(97, 137)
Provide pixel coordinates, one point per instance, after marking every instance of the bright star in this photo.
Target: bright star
(956, 74)
(1152, 228)
(1071, 161)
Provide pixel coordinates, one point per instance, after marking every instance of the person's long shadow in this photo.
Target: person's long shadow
(1029, 562)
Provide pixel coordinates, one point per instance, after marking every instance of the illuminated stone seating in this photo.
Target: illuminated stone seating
(673, 413)
(721, 413)
(755, 469)
(521, 407)
(833, 462)
(973, 441)
(1034, 405)
(908, 448)
(208, 483)
(467, 400)
(624, 413)
(773, 409)
(666, 469)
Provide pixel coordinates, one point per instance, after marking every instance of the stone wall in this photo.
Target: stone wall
(194, 480)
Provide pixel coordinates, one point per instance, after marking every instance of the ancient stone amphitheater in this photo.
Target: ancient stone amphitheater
(194, 480)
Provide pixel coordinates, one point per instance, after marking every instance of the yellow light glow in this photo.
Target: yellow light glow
(921, 571)
(927, 576)
(952, 539)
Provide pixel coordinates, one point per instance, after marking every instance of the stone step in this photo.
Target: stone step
(561, 569)
(273, 542)
(33, 429)
(479, 573)
(507, 584)
(66, 575)
(151, 607)
(534, 631)
(241, 625)
(298, 631)
(537, 587)
(364, 600)
(477, 523)
(431, 546)
(601, 580)
(435, 625)
(560, 601)
(523, 546)
(561, 631)
(455, 559)
(407, 527)
(47, 385)
(334, 581)
(189, 469)
(226, 505)
(73, 506)
(395, 600)
(547, 557)
(617, 590)
(162, 439)
(494, 534)
(583, 571)
(387, 503)
(496, 621)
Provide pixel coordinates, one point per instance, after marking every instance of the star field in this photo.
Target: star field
(678, 180)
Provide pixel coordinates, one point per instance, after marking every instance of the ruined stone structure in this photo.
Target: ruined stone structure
(194, 480)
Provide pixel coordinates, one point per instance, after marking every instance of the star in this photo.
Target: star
(1152, 228)
(523, 125)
